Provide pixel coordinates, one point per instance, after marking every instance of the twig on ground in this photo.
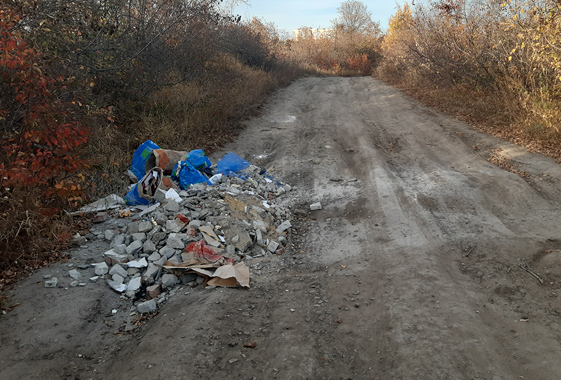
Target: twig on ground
(527, 269)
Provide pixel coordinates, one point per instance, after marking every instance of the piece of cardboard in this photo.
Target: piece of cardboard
(217, 281)
(239, 271)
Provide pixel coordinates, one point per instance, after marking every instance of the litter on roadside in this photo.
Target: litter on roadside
(193, 224)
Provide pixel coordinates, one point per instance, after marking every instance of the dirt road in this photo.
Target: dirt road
(414, 269)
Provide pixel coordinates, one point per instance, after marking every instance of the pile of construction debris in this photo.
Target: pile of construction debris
(198, 236)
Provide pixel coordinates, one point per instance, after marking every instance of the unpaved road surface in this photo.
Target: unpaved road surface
(412, 270)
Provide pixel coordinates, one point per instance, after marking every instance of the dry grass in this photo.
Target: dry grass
(499, 113)
(30, 238)
(205, 113)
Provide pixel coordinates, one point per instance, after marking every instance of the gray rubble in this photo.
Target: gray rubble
(238, 217)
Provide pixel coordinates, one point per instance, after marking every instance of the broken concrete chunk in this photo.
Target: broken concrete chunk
(119, 239)
(118, 269)
(120, 249)
(149, 210)
(118, 287)
(139, 236)
(160, 195)
(118, 278)
(134, 247)
(132, 228)
(230, 250)
(160, 262)
(154, 257)
(101, 269)
(74, 274)
(272, 247)
(259, 237)
(169, 280)
(147, 307)
(153, 290)
(152, 271)
(109, 235)
(149, 247)
(175, 260)
(134, 284)
(176, 243)
(167, 252)
(153, 231)
(142, 263)
(315, 206)
(172, 226)
(284, 226)
(259, 224)
(171, 206)
(94, 279)
(145, 226)
(115, 257)
(158, 237)
(51, 283)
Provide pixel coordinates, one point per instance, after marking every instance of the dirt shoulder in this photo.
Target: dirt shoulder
(425, 262)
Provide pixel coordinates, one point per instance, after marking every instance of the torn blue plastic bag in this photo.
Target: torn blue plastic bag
(187, 175)
(231, 163)
(198, 159)
(140, 157)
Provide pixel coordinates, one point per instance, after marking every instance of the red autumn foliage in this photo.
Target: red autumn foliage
(41, 137)
(360, 63)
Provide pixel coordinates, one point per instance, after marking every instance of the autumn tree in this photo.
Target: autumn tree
(354, 18)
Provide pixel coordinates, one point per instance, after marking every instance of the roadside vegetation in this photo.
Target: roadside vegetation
(496, 64)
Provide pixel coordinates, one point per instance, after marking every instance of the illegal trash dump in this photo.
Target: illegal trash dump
(193, 224)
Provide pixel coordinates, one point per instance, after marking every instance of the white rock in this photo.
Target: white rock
(315, 206)
(116, 286)
(284, 226)
(101, 269)
(141, 263)
(272, 247)
(74, 274)
(134, 284)
(118, 269)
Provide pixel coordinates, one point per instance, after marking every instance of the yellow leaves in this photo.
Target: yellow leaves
(514, 17)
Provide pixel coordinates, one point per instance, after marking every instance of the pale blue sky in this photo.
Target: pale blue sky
(292, 14)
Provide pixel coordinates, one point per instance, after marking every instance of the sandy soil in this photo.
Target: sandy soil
(413, 269)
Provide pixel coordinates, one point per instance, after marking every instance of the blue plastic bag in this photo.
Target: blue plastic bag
(187, 175)
(141, 156)
(133, 197)
(231, 163)
(198, 159)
